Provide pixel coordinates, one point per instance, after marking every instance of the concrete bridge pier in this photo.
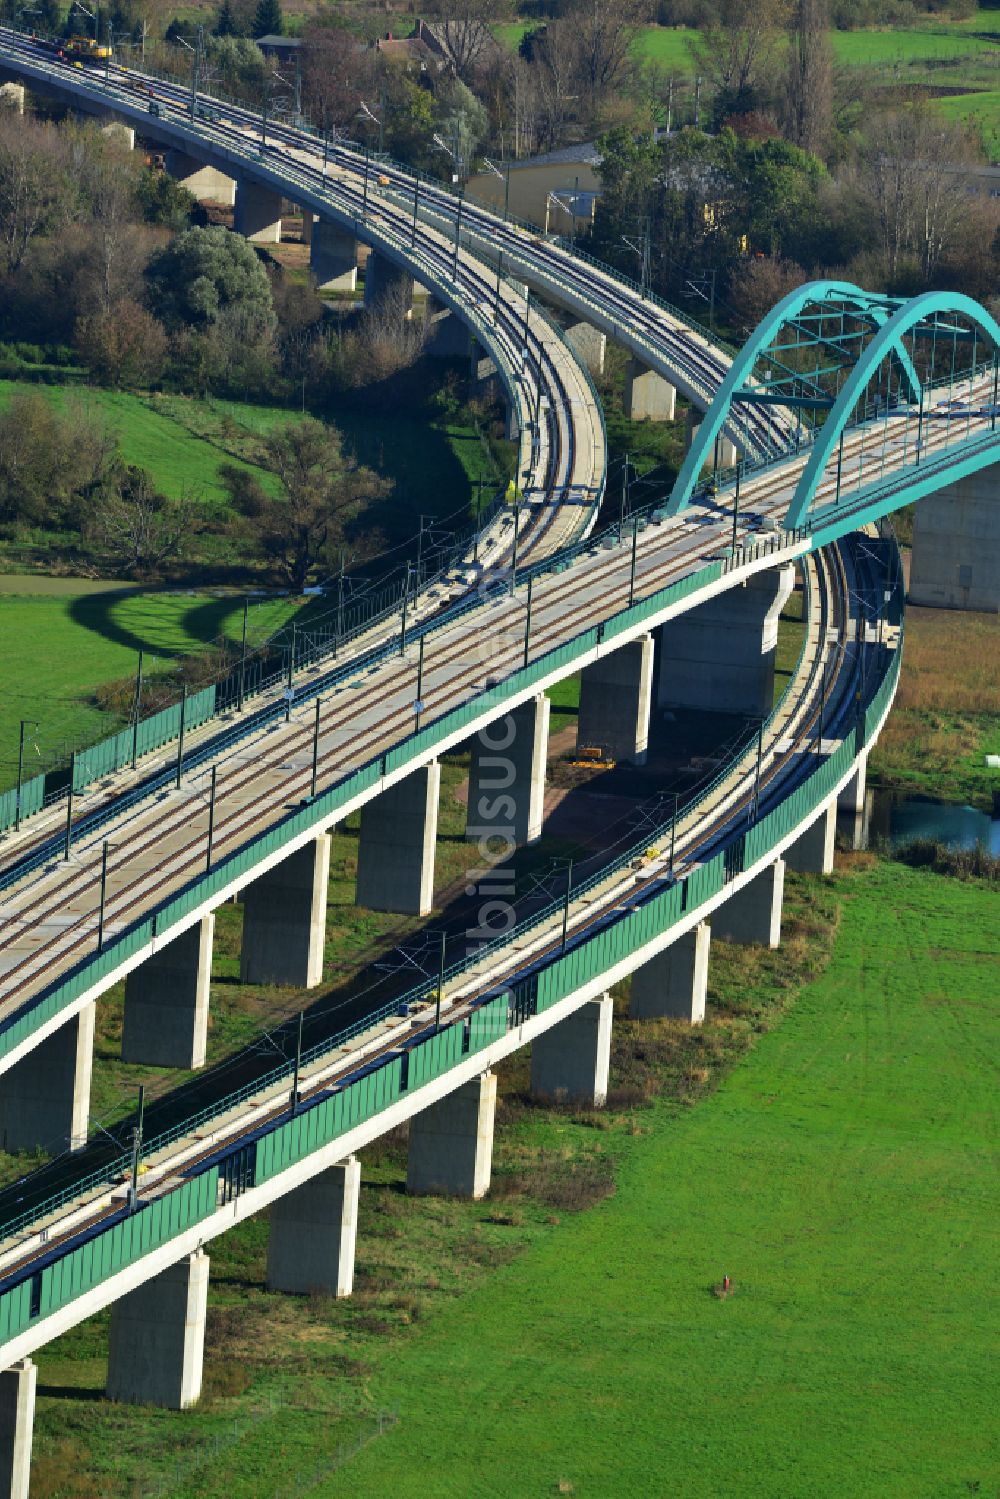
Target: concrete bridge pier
(45, 1097)
(725, 454)
(396, 848)
(447, 335)
(17, 1422)
(590, 343)
(615, 702)
(955, 563)
(648, 397)
(385, 280)
(204, 183)
(507, 775)
(284, 920)
(674, 984)
(451, 1142)
(720, 656)
(258, 213)
(812, 851)
(333, 255)
(166, 1002)
(314, 1232)
(852, 798)
(753, 914)
(572, 1059)
(156, 1349)
(12, 97)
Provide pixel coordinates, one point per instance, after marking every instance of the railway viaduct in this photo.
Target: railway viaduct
(843, 407)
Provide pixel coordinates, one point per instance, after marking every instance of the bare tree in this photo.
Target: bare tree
(732, 55)
(809, 101)
(464, 29)
(141, 528)
(337, 74)
(913, 170)
(35, 188)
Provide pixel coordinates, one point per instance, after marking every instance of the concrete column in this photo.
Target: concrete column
(284, 920)
(955, 563)
(258, 213)
(166, 1002)
(720, 656)
(447, 335)
(590, 343)
(673, 985)
(206, 184)
(507, 775)
(812, 852)
(17, 1421)
(118, 131)
(313, 1234)
(385, 279)
(45, 1098)
(12, 97)
(333, 256)
(725, 451)
(308, 224)
(852, 798)
(157, 1345)
(396, 848)
(451, 1142)
(648, 397)
(572, 1059)
(615, 700)
(753, 914)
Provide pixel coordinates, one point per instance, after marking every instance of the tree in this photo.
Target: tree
(337, 74)
(203, 271)
(809, 99)
(732, 54)
(267, 19)
(36, 192)
(164, 202)
(225, 24)
(140, 527)
(465, 30)
(759, 284)
(50, 461)
(910, 169)
(122, 345)
(321, 488)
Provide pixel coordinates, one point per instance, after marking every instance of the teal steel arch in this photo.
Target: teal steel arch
(814, 297)
(886, 344)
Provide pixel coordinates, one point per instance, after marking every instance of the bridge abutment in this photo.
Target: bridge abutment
(156, 1348)
(17, 1422)
(333, 255)
(396, 847)
(258, 213)
(451, 1142)
(572, 1060)
(648, 397)
(753, 914)
(166, 1002)
(313, 1234)
(45, 1097)
(615, 702)
(674, 984)
(204, 183)
(507, 775)
(284, 920)
(955, 563)
(812, 851)
(720, 656)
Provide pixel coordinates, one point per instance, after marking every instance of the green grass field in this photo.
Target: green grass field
(843, 1174)
(62, 646)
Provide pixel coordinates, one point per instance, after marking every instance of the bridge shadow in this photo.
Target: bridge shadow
(71, 1392)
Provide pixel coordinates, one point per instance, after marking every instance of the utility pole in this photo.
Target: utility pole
(196, 70)
(135, 712)
(20, 770)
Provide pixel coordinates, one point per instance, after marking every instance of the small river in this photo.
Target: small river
(902, 819)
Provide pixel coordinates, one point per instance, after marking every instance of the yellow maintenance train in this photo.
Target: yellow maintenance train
(78, 50)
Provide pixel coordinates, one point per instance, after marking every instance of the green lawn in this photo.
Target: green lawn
(60, 647)
(845, 1177)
